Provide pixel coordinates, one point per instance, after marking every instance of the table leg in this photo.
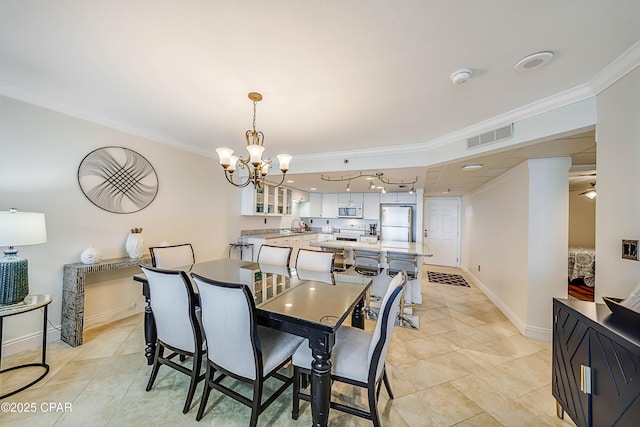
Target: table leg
(321, 345)
(150, 334)
(357, 318)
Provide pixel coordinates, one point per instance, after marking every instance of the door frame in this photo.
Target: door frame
(425, 258)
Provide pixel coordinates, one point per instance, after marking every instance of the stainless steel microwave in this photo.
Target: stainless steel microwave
(350, 211)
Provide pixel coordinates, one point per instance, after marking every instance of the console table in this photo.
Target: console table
(30, 303)
(73, 280)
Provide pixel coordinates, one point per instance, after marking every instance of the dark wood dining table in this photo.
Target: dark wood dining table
(307, 304)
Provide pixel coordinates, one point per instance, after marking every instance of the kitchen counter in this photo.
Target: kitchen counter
(274, 233)
(380, 246)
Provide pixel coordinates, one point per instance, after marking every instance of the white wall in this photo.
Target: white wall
(515, 228)
(495, 238)
(618, 206)
(582, 221)
(40, 151)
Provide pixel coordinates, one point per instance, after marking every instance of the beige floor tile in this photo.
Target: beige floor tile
(467, 365)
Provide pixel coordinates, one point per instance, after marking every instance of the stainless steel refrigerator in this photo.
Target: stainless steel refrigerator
(396, 223)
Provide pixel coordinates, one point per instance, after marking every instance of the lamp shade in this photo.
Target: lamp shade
(22, 228)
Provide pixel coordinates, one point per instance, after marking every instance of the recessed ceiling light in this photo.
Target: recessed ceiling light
(290, 181)
(534, 61)
(472, 166)
(313, 189)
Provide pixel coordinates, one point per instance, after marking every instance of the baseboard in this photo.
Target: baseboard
(28, 342)
(113, 315)
(537, 333)
(534, 332)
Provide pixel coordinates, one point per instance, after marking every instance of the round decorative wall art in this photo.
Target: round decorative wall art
(118, 180)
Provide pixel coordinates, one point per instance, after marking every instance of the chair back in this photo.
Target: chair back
(311, 260)
(274, 255)
(384, 326)
(173, 302)
(228, 319)
(172, 256)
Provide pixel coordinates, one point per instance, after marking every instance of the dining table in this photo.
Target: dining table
(308, 304)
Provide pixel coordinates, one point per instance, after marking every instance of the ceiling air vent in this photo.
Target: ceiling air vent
(494, 135)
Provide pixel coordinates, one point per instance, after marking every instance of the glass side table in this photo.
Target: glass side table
(241, 247)
(30, 303)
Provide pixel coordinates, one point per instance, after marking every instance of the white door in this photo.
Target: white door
(441, 231)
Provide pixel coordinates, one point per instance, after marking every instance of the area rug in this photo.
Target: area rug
(447, 279)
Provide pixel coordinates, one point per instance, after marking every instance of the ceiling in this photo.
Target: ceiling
(335, 76)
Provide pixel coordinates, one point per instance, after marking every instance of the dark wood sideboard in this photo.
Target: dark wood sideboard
(596, 365)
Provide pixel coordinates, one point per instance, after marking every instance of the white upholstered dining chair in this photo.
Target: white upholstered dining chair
(274, 255)
(172, 256)
(311, 260)
(358, 357)
(239, 348)
(176, 315)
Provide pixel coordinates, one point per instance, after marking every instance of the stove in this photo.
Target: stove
(349, 235)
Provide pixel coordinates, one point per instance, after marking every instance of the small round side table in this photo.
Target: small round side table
(30, 303)
(241, 247)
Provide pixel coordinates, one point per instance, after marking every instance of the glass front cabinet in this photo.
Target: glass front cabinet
(270, 201)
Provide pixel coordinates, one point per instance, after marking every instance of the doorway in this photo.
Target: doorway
(441, 244)
(582, 224)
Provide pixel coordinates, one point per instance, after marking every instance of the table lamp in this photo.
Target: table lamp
(17, 229)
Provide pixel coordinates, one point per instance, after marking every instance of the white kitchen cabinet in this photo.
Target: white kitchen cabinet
(371, 206)
(350, 198)
(330, 205)
(284, 199)
(315, 206)
(270, 201)
(307, 239)
(300, 196)
(398, 198)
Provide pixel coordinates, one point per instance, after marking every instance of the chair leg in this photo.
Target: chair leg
(208, 377)
(297, 378)
(373, 405)
(195, 373)
(256, 403)
(156, 365)
(387, 385)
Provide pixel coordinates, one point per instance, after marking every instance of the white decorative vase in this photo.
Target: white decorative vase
(91, 255)
(135, 245)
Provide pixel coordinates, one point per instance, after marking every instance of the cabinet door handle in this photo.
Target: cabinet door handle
(585, 379)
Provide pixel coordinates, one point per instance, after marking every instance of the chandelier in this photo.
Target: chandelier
(257, 168)
(374, 179)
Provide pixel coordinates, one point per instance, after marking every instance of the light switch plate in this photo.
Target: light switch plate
(630, 249)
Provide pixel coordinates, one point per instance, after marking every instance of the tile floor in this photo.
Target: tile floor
(466, 366)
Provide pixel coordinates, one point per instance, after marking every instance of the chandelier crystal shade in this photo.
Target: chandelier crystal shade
(257, 168)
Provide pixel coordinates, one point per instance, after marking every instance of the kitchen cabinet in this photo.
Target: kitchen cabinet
(300, 196)
(284, 199)
(350, 198)
(398, 198)
(270, 201)
(325, 237)
(315, 206)
(330, 205)
(371, 206)
(596, 355)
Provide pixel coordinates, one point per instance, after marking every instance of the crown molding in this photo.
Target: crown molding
(21, 94)
(619, 68)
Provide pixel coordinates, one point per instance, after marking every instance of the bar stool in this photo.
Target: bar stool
(369, 263)
(397, 262)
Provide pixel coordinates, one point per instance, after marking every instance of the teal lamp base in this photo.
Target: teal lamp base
(14, 277)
